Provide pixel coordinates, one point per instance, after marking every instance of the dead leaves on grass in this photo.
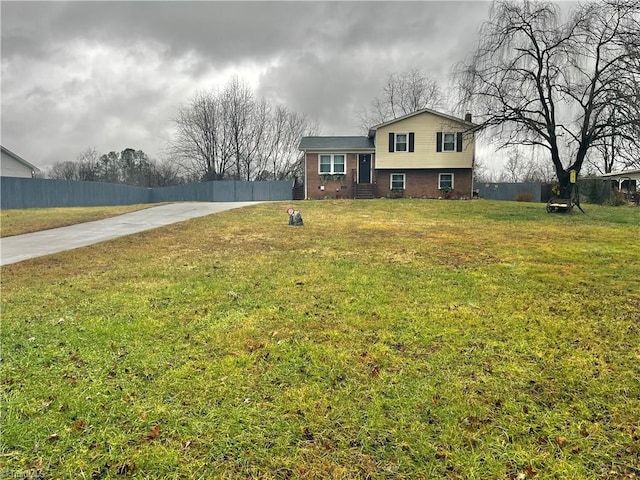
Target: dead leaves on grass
(560, 441)
(155, 432)
(124, 469)
(475, 423)
(78, 426)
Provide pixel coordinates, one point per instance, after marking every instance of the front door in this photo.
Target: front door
(364, 168)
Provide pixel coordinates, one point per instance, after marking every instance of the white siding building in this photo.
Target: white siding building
(11, 165)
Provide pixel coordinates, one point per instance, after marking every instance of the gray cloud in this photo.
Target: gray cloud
(111, 75)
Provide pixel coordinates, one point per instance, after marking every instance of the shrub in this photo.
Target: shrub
(396, 193)
(594, 190)
(617, 199)
(524, 197)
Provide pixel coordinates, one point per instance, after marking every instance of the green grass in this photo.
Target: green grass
(384, 339)
(18, 222)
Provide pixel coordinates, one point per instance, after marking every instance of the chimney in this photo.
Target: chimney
(467, 117)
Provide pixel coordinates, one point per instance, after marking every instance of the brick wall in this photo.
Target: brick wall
(424, 183)
(419, 183)
(332, 188)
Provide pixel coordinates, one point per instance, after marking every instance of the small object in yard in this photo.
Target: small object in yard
(295, 218)
(563, 205)
(557, 204)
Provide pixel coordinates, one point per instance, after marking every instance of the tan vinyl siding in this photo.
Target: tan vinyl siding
(425, 126)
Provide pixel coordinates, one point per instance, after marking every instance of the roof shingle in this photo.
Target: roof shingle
(336, 143)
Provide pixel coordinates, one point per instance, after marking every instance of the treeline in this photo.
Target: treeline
(131, 167)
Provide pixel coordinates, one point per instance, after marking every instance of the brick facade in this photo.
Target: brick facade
(419, 183)
(333, 187)
(424, 183)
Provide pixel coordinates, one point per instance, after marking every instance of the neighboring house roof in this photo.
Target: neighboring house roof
(372, 130)
(18, 158)
(632, 174)
(337, 143)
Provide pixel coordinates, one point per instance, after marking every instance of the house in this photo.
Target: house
(626, 182)
(627, 179)
(425, 154)
(11, 165)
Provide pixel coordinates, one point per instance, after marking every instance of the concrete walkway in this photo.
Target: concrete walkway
(31, 245)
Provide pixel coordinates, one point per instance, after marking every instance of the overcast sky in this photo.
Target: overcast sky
(111, 75)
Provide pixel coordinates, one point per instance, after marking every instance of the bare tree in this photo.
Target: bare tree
(201, 144)
(276, 139)
(89, 165)
(535, 80)
(255, 159)
(402, 94)
(64, 171)
(616, 152)
(298, 126)
(286, 128)
(481, 171)
(166, 173)
(232, 134)
(513, 168)
(518, 168)
(238, 106)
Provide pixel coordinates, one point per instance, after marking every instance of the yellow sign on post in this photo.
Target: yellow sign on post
(572, 176)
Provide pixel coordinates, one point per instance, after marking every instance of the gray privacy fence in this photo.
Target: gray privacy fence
(224, 191)
(591, 190)
(44, 193)
(528, 191)
(38, 192)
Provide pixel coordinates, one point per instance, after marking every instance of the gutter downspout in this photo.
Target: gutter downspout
(473, 162)
(306, 194)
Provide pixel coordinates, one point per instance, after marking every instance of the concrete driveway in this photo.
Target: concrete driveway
(23, 247)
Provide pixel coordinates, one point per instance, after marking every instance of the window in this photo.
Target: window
(402, 142)
(397, 181)
(332, 164)
(325, 163)
(445, 181)
(448, 142)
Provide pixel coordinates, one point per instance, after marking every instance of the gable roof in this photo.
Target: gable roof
(337, 143)
(18, 158)
(372, 130)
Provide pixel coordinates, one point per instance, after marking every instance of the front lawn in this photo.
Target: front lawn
(28, 220)
(384, 339)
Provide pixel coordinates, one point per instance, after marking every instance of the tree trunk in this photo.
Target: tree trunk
(566, 187)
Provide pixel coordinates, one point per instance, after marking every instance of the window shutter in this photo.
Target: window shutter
(439, 142)
(392, 141)
(459, 142)
(412, 141)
